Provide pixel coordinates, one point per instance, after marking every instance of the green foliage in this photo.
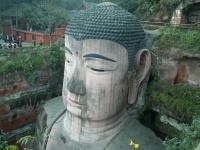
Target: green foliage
(11, 147)
(169, 4)
(25, 140)
(53, 12)
(24, 60)
(56, 57)
(129, 5)
(166, 128)
(3, 142)
(189, 140)
(22, 141)
(33, 59)
(179, 38)
(70, 4)
(183, 101)
(148, 9)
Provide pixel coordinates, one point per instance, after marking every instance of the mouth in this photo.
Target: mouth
(74, 103)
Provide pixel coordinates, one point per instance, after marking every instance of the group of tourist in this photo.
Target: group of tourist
(11, 41)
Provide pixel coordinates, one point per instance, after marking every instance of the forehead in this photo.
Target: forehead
(104, 47)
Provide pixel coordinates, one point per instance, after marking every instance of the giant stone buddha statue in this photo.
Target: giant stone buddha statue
(106, 69)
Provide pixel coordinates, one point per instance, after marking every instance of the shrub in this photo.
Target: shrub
(11, 147)
(150, 8)
(189, 140)
(27, 140)
(3, 142)
(21, 61)
(182, 100)
(179, 38)
(56, 57)
(28, 60)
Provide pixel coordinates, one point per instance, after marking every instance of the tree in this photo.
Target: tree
(129, 5)
(44, 15)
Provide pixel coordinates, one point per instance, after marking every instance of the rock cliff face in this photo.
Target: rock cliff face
(21, 94)
(178, 66)
(19, 101)
(173, 64)
(186, 13)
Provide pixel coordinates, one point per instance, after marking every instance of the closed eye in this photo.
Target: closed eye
(99, 70)
(98, 65)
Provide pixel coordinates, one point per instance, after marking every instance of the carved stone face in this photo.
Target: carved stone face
(95, 79)
(104, 69)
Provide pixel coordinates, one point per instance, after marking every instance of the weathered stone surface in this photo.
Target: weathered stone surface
(24, 88)
(16, 96)
(43, 77)
(182, 74)
(174, 64)
(31, 96)
(14, 120)
(132, 130)
(4, 109)
(177, 16)
(46, 116)
(178, 67)
(15, 87)
(19, 132)
(186, 12)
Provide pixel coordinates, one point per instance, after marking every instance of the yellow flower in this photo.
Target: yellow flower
(134, 145)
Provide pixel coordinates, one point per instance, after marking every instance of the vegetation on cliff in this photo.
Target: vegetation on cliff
(181, 101)
(157, 10)
(23, 59)
(179, 38)
(28, 60)
(189, 139)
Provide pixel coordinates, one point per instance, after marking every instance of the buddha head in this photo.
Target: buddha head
(105, 63)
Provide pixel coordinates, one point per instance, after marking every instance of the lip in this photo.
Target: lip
(74, 103)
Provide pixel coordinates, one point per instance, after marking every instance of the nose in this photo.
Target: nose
(76, 84)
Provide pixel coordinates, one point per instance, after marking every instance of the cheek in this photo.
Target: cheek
(97, 81)
(68, 73)
(105, 94)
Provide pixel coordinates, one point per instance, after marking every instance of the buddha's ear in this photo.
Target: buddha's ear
(143, 64)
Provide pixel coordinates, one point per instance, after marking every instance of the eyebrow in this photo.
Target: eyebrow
(68, 50)
(99, 56)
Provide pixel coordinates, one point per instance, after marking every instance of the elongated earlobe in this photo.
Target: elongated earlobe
(143, 64)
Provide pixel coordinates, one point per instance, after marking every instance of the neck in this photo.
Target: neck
(87, 131)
